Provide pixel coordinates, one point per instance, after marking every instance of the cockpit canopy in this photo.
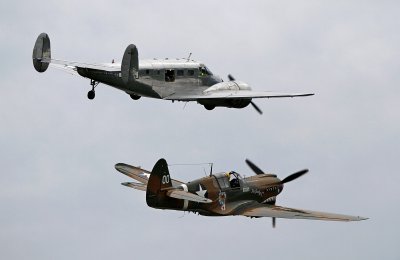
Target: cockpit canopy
(228, 179)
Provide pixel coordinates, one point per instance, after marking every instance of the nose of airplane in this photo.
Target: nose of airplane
(280, 188)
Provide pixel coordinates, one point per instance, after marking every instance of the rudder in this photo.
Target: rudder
(159, 179)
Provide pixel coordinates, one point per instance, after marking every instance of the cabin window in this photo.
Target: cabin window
(190, 72)
(179, 73)
(169, 75)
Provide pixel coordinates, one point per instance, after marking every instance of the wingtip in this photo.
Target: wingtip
(118, 166)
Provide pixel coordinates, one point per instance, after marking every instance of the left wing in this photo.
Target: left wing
(265, 210)
(234, 94)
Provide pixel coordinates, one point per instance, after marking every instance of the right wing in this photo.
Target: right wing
(265, 210)
(233, 94)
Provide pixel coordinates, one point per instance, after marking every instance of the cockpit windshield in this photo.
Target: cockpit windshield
(237, 175)
(229, 179)
(205, 71)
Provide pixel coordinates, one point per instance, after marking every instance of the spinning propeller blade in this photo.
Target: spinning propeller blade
(231, 78)
(294, 176)
(256, 107)
(254, 167)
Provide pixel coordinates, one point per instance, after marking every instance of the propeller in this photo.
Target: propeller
(294, 176)
(254, 167)
(231, 78)
(256, 107)
(289, 178)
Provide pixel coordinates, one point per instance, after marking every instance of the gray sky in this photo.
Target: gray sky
(60, 197)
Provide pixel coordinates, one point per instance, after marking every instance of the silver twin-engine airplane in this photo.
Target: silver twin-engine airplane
(168, 79)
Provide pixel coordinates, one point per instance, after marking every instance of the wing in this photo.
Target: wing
(234, 94)
(264, 210)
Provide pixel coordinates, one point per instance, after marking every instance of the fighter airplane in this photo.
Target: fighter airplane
(221, 194)
(168, 79)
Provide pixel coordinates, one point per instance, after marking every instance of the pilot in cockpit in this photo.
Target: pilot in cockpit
(233, 179)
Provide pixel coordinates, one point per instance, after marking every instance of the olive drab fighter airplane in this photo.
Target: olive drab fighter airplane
(167, 79)
(221, 194)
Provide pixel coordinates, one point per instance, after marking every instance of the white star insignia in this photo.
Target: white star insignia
(201, 192)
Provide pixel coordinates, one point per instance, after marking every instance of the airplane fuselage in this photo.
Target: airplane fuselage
(226, 194)
(158, 78)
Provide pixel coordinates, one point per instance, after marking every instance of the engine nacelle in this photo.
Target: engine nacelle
(222, 87)
(232, 103)
(228, 85)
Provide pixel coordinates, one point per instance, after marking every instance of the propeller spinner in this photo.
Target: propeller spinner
(289, 178)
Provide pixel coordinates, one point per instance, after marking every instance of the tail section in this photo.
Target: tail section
(159, 181)
(130, 64)
(41, 53)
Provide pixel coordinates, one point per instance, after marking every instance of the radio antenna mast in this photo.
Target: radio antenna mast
(190, 55)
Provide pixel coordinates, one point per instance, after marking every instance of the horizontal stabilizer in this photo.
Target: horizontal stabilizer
(139, 174)
(184, 195)
(134, 172)
(135, 185)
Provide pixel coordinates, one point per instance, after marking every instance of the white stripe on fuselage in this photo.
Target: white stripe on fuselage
(185, 202)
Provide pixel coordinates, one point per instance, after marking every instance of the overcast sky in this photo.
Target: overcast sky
(61, 198)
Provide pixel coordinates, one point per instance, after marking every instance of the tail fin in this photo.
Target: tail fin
(41, 53)
(159, 179)
(130, 64)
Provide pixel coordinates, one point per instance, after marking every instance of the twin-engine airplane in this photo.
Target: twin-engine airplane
(221, 194)
(168, 79)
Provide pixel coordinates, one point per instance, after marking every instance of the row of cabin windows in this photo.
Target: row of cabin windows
(179, 73)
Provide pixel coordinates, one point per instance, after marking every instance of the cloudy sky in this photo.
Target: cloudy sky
(61, 198)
